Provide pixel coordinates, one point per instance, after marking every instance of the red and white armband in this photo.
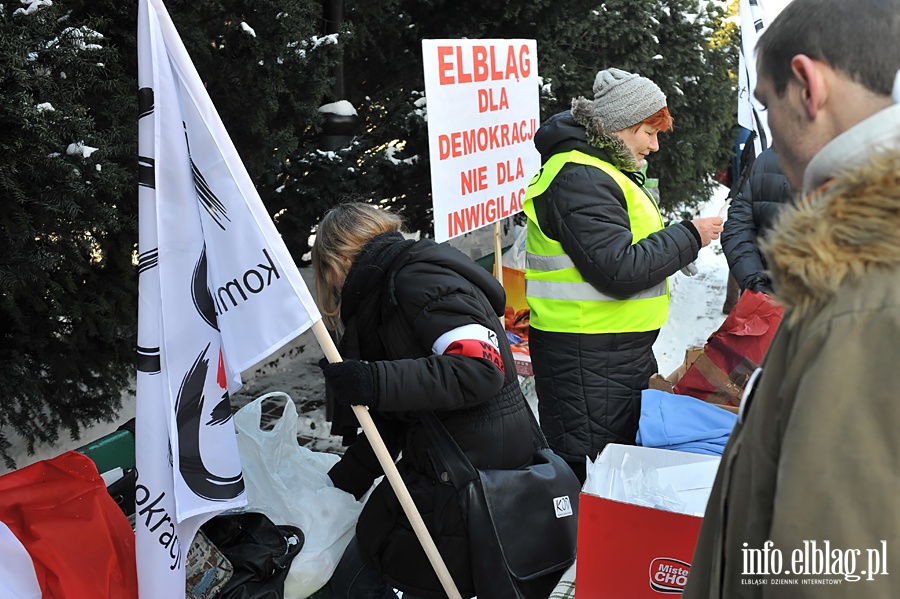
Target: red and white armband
(471, 340)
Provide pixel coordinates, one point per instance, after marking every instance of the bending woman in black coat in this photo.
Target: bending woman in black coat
(418, 329)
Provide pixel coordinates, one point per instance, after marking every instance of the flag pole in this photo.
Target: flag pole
(391, 472)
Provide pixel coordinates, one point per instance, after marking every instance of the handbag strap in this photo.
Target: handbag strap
(537, 434)
(459, 468)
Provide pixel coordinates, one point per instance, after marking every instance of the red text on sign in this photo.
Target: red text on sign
(486, 101)
(463, 143)
(454, 66)
(472, 217)
(506, 172)
(474, 179)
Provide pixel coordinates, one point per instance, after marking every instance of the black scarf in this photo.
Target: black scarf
(363, 297)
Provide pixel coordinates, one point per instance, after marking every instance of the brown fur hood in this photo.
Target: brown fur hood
(848, 227)
(599, 135)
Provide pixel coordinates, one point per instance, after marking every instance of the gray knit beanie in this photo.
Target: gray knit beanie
(624, 99)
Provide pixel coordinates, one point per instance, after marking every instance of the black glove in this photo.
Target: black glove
(352, 382)
(761, 285)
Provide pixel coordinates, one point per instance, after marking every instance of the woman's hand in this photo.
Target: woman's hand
(352, 382)
(709, 228)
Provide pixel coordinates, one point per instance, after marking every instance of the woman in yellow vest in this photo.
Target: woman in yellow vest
(597, 263)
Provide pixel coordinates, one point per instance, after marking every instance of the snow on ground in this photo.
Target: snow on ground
(694, 314)
(695, 311)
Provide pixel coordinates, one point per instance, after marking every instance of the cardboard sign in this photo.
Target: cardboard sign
(483, 112)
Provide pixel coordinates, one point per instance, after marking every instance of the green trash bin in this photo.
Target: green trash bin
(116, 450)
(110, 451)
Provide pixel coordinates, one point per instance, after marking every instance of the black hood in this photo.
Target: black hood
(447, 256)
(375, 259)
(381, 258)
(560, 133)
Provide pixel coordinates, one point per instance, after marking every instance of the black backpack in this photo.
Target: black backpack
(260, 553)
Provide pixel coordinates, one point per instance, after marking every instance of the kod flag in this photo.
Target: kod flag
(755, 17)
(218, 291)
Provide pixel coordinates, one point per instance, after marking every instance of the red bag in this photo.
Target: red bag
(734, 351)
(73, 539)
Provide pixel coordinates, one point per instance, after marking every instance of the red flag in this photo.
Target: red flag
(79, 541)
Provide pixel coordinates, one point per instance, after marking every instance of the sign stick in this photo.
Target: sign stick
(498, 262)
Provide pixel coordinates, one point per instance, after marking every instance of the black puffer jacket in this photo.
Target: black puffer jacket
(399, 297)
(589, 385)
(750, 217)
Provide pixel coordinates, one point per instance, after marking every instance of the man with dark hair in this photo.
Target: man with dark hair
(805, 500)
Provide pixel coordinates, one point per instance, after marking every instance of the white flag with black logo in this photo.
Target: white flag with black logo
(755, 17)
(218, 292)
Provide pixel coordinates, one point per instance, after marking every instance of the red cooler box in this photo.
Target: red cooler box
(635, 551)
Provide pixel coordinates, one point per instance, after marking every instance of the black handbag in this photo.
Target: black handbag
(260, 552)
(521, 522)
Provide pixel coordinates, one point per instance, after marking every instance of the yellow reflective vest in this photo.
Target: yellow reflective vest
(560, 299)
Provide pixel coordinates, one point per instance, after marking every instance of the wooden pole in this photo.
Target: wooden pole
(498, 263)
(392, 474)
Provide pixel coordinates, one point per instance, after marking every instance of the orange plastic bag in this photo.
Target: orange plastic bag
(517, 322)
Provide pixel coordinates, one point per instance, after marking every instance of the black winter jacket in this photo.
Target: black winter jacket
(589, 385)
(399, 297)
(750, 217)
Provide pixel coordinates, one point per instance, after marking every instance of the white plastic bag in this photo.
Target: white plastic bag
(290, 484)
(515, 255)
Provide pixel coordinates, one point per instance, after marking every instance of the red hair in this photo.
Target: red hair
(660, 120)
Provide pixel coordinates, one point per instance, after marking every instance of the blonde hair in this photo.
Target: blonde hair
(341, 234)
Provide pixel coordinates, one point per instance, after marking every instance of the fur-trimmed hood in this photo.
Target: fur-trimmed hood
(599, 135)
(847, 228)
(574, 129)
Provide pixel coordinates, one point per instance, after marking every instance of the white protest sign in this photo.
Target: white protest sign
(483, 112)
